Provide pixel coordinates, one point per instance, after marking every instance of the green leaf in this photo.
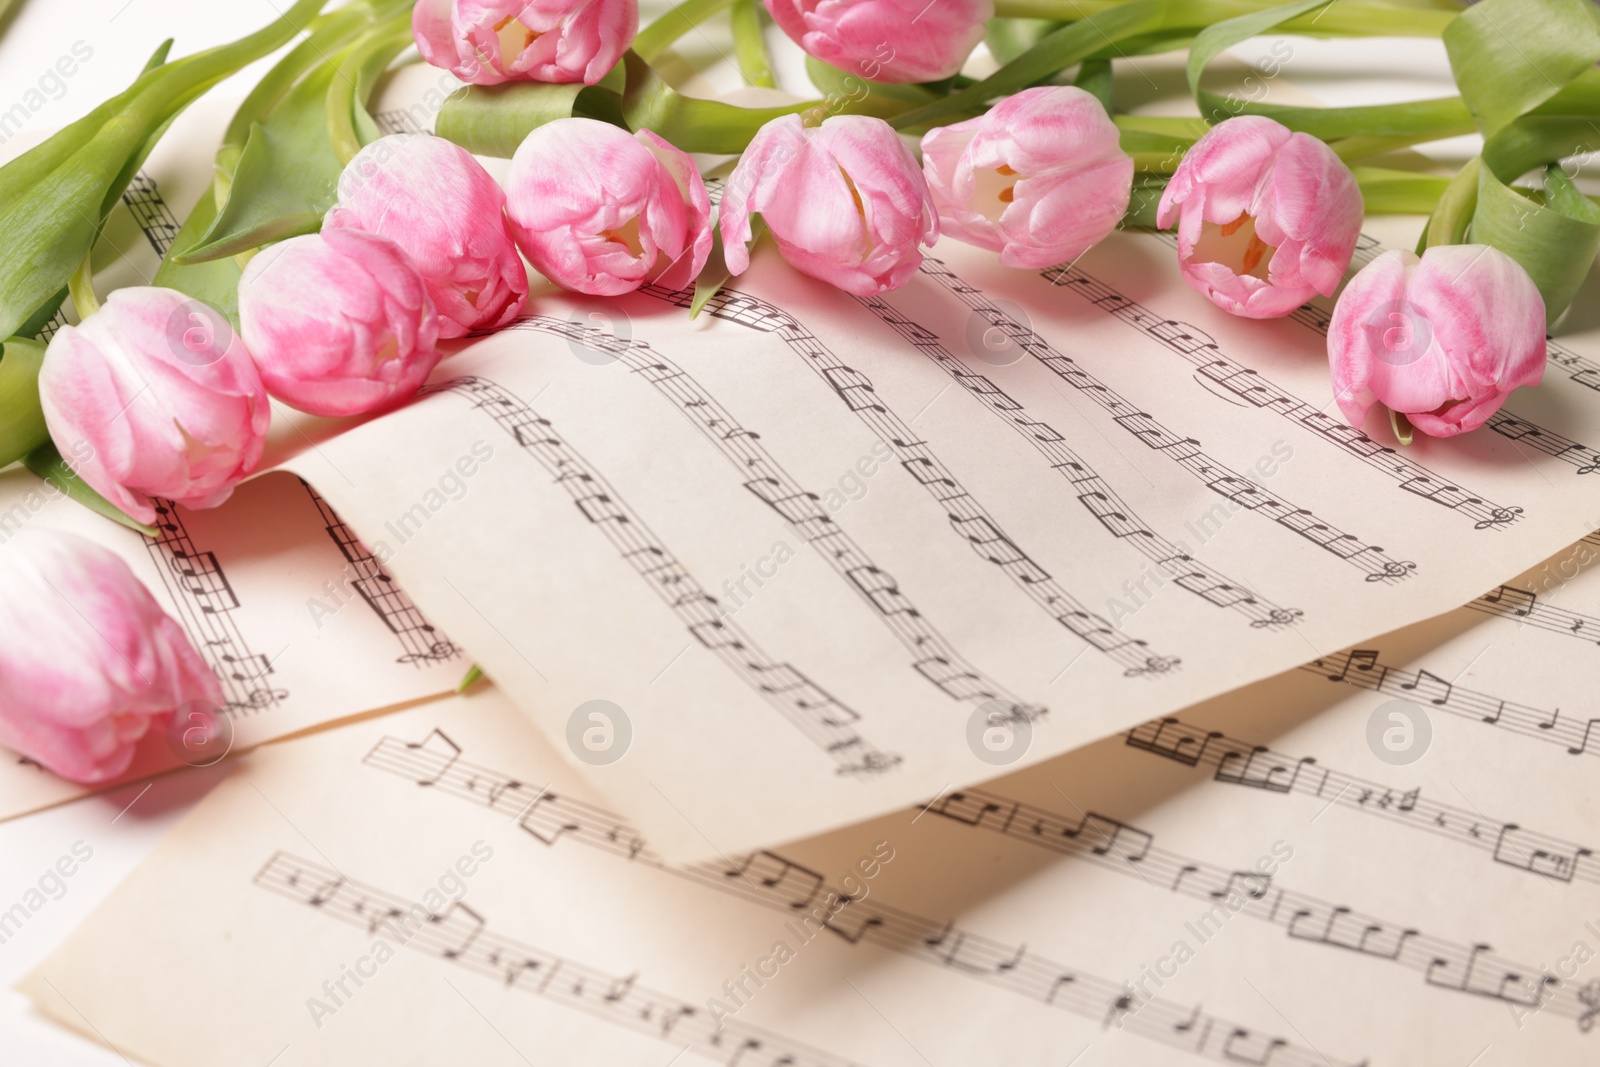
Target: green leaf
(1399, 192)
(1009, 38)
(214, 282)
(1555, 241)
(749, 44)
(54, 197)
(286, 179)
(494, 120)
(1397, 124)
(1094, 77)
(1509, 56)
(22, 427)
(350, 126)
(714, 275)
(1143, 203)
(655, 38)
(47, 463)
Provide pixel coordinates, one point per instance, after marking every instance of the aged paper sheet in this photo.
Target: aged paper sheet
(815, 550)
(299, 622)
(1380, 858)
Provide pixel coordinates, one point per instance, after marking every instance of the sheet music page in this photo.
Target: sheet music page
(821, 553)
(1345, 864)
(300, 623)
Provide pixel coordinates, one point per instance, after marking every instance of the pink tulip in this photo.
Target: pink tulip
(601, 211)
(339, 324)
(491, 41)
(88, 660)
(1443, 339)
(154, 396)
(886, 40)
(443, 209)
(845, 201)
(1269, 217)
(1040, 178)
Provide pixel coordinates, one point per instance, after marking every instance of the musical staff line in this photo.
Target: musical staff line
(968, 518)
(1249, 386)
(459, 935)
(823, 719)
(1125, 849)
(1253, 766)
(204, 600)
(1184, 451)
(772, 881)
(1524, 607)
(1583, 370)
(1361, 668)
(150, 211)
(934, 658)
(421, 641)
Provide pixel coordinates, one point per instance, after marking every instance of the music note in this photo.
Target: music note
(1425, 683)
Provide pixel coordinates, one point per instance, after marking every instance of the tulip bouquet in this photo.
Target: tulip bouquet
(330, 267)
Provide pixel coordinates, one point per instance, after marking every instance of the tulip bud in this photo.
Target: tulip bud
(88, 660)
(1269, 217)
(1443, 339)
(845, 201)
(154, 396)
(487, 42)
(443, 209)
(602, 211)
(1040, 178)
(339, 324)
(886, 40)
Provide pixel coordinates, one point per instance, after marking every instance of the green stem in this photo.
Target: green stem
(1453, 214)
(1399, 192)
(1132, 20)
(749, 46)
(22, 426)
(656, 37)
(81, 286)
(354, 77)
(1357, 18)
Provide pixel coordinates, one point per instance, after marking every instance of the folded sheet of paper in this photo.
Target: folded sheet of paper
(301, 624)
(830, 556)
(816, 557)
(1385, 857)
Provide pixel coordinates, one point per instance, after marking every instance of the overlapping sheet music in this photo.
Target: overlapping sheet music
(833, 555)
(300, 622)
(1376, 859)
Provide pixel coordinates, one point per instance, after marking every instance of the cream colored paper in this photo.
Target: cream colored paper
(822, 553)
(1305, 872)
(300, 624)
